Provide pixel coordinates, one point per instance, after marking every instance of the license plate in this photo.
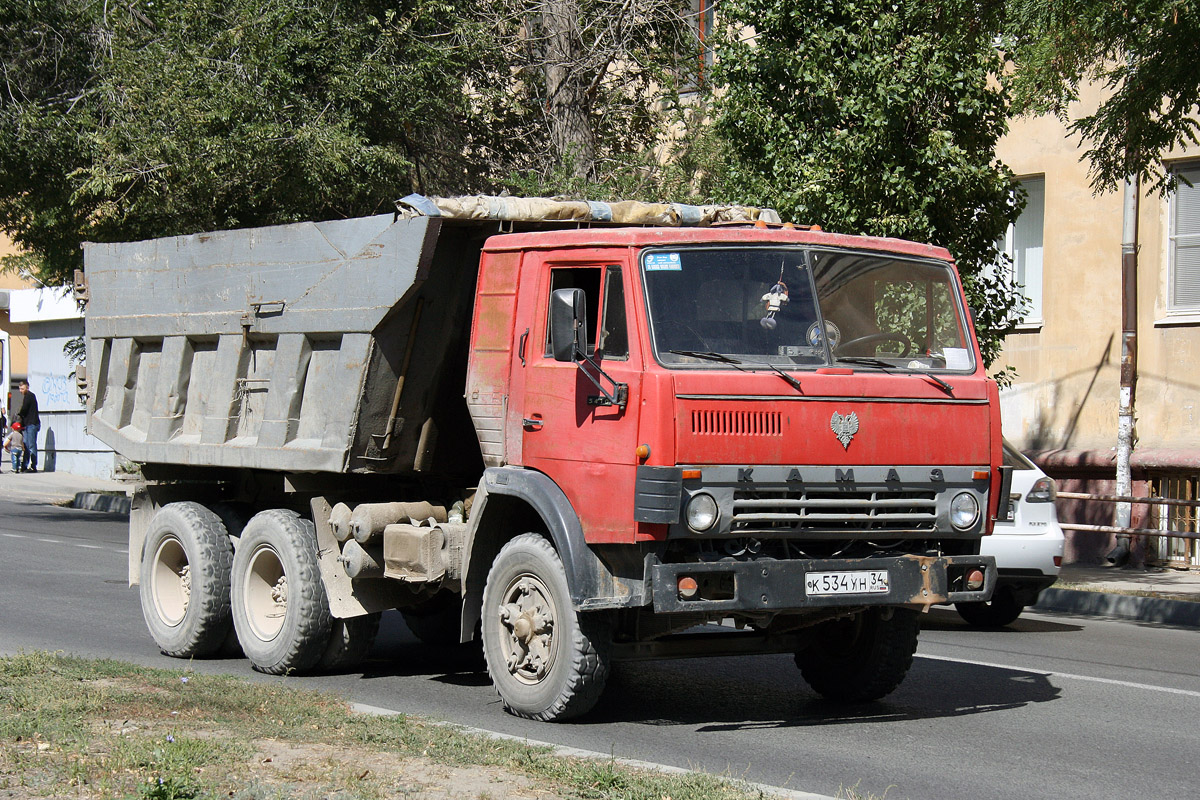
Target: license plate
(862, 581)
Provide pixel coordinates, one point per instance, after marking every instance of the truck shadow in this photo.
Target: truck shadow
(768, 692)
(740, 693)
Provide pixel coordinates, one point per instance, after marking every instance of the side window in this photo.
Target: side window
(1185, 241)
(586, 278)
(614, 332)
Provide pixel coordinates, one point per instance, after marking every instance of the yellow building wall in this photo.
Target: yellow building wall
(18, 333)
(1068, 370)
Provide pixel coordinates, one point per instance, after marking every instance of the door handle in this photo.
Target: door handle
(536, 424)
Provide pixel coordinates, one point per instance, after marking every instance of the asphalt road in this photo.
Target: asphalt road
(1054, 707)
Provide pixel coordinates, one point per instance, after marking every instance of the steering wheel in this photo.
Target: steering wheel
(882, 336)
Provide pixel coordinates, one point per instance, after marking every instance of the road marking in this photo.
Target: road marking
(122, 550)
(1068, 675)
(575, 752)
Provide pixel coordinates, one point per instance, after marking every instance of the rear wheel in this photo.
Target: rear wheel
(184, 580)
(547, 660)
(1001, 610)
(280, 608)
(862, 658)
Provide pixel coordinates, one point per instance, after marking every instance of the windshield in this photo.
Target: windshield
(797, 307)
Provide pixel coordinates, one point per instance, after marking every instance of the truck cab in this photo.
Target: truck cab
(769, 427)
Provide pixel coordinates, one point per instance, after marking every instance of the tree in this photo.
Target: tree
(596, 82)
(1144, 53)
(133, 121)
(126, 120)
(878, 117)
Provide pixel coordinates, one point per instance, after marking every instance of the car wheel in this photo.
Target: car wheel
(1001, 610)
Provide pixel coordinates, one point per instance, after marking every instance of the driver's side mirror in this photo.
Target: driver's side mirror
(568, 324)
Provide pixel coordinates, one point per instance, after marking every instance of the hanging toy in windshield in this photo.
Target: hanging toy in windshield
(776, 297)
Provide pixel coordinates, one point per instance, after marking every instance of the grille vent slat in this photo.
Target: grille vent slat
(783, 512)
(711, 422)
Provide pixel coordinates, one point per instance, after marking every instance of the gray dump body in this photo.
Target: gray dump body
(278, 348)
(315, 347)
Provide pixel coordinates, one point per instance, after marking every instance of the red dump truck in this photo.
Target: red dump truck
(575, 432)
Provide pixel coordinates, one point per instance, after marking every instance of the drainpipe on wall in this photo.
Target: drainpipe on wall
(1120, 554)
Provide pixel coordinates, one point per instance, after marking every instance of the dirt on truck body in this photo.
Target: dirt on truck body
(580, 432)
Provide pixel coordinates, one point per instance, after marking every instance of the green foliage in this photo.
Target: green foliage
(878, 117)
(128, 122)
(1144, 55)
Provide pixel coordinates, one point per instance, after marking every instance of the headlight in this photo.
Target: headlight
(702, 512)
(1043, 491)
(964, 510)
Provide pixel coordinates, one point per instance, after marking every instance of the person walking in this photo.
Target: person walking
(30, 423)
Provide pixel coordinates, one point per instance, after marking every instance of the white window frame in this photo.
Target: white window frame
(1191, 312)
(1029, 260)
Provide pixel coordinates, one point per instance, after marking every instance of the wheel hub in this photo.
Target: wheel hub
(527, 628)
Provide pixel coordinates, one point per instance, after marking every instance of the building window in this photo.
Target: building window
(1023, 245)
(1184, 290)
(703, 18)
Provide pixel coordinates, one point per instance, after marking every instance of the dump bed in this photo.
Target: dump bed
(314, 347)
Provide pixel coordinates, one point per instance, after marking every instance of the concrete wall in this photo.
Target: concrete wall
(63, 443)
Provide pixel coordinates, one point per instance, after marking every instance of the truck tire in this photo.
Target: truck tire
(349, 642)
(1001, 610)
(437, 621)
(186, 562)
(280, 608)
(862, 658)
(547, 661)
(234, 516)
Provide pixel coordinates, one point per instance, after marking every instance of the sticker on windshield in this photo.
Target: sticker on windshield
(663, 262)
(957, 358)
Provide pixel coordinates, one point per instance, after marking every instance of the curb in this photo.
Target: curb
(1120, 606)
(98, 501)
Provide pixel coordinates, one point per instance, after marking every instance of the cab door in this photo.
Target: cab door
(569, 432)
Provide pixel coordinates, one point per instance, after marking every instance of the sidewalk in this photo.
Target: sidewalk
(63, 488)
(1165, 596)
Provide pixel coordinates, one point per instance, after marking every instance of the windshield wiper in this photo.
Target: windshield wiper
(723, 359)
(875, 362)
(707, 356)
(865, 361)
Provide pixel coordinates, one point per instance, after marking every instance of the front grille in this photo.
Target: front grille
(737, 423)
(783, 512)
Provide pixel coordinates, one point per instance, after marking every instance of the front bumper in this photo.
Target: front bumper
(767, 585)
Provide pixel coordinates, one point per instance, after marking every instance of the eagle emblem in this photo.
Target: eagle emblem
(844, 427)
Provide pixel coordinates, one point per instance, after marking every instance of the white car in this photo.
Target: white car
(1027, 543)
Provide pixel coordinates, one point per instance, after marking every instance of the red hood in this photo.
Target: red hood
(897, 419)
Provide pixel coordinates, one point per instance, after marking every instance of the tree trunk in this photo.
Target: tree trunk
(568, 107)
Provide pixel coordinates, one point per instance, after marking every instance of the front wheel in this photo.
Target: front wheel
(280, 609)
(547, 660)
(861, 658)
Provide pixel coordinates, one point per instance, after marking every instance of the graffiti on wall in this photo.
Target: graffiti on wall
(56, 390)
